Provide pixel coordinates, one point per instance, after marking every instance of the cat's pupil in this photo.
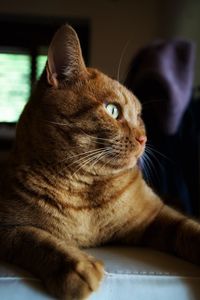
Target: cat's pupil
(112, 110)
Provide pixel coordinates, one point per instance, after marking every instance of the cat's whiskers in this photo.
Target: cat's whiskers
(80, 146)
(57, 123)
(110, 160)
(150, 163)
(150, 152)
(121, 58)
(146, 169)
(83, 157)
(89, 156)
(98, 138)
(80, 154)
(81, 130)
(98, 158)
(101, 156)
(108, 144)
(94, 156)
(88, 161)
(151, 147)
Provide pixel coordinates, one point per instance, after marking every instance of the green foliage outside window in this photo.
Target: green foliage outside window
(15, 85)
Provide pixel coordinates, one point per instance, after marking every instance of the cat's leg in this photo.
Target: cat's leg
(168, 231)
(175, 233)
(67, 272)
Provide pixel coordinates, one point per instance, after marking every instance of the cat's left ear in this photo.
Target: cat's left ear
(65, 60)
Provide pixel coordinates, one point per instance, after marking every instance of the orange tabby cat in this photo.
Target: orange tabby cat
(73, 179)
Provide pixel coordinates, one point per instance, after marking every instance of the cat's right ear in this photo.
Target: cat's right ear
(65, 60)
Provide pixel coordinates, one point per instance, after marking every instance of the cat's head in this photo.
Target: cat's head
(80, 118)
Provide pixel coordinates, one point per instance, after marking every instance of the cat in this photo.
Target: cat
(73, 179)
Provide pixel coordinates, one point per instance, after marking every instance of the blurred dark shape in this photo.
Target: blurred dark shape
(161, 76)
(163, 71)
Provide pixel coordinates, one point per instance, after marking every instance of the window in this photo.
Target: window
(15, 83)
(23, 45)
(40, 64)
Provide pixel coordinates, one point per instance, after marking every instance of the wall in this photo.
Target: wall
(115, 22)
(188, 25)
(181, 18)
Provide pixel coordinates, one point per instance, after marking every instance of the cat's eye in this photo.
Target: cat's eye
(113, 110)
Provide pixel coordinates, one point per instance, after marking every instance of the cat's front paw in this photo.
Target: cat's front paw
(79, 280)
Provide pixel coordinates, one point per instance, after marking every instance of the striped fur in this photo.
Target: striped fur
(72, 180)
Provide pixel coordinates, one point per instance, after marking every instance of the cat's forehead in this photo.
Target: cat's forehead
(111, 90)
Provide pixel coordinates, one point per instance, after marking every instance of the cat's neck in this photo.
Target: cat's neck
(89, 178)
(84, 191)
(80, 190)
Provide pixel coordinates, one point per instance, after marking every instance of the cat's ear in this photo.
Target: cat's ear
(65, 60)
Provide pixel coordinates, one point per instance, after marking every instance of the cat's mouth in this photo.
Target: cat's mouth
(110, 155)
(133, 158)
(121, 160)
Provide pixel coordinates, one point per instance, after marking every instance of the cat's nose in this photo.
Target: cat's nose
(142, 139)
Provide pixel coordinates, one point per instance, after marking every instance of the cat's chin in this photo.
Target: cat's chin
(128, 164)
(131, 163)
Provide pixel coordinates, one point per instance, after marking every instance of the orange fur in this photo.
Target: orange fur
(61, 192)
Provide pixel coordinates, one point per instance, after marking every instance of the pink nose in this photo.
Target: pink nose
(141, 139)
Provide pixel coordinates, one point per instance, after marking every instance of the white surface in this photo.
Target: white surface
(143, 274)
(130, 273)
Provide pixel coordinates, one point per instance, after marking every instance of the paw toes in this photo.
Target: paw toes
(91, 272)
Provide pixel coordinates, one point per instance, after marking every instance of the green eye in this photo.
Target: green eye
(113, 110)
